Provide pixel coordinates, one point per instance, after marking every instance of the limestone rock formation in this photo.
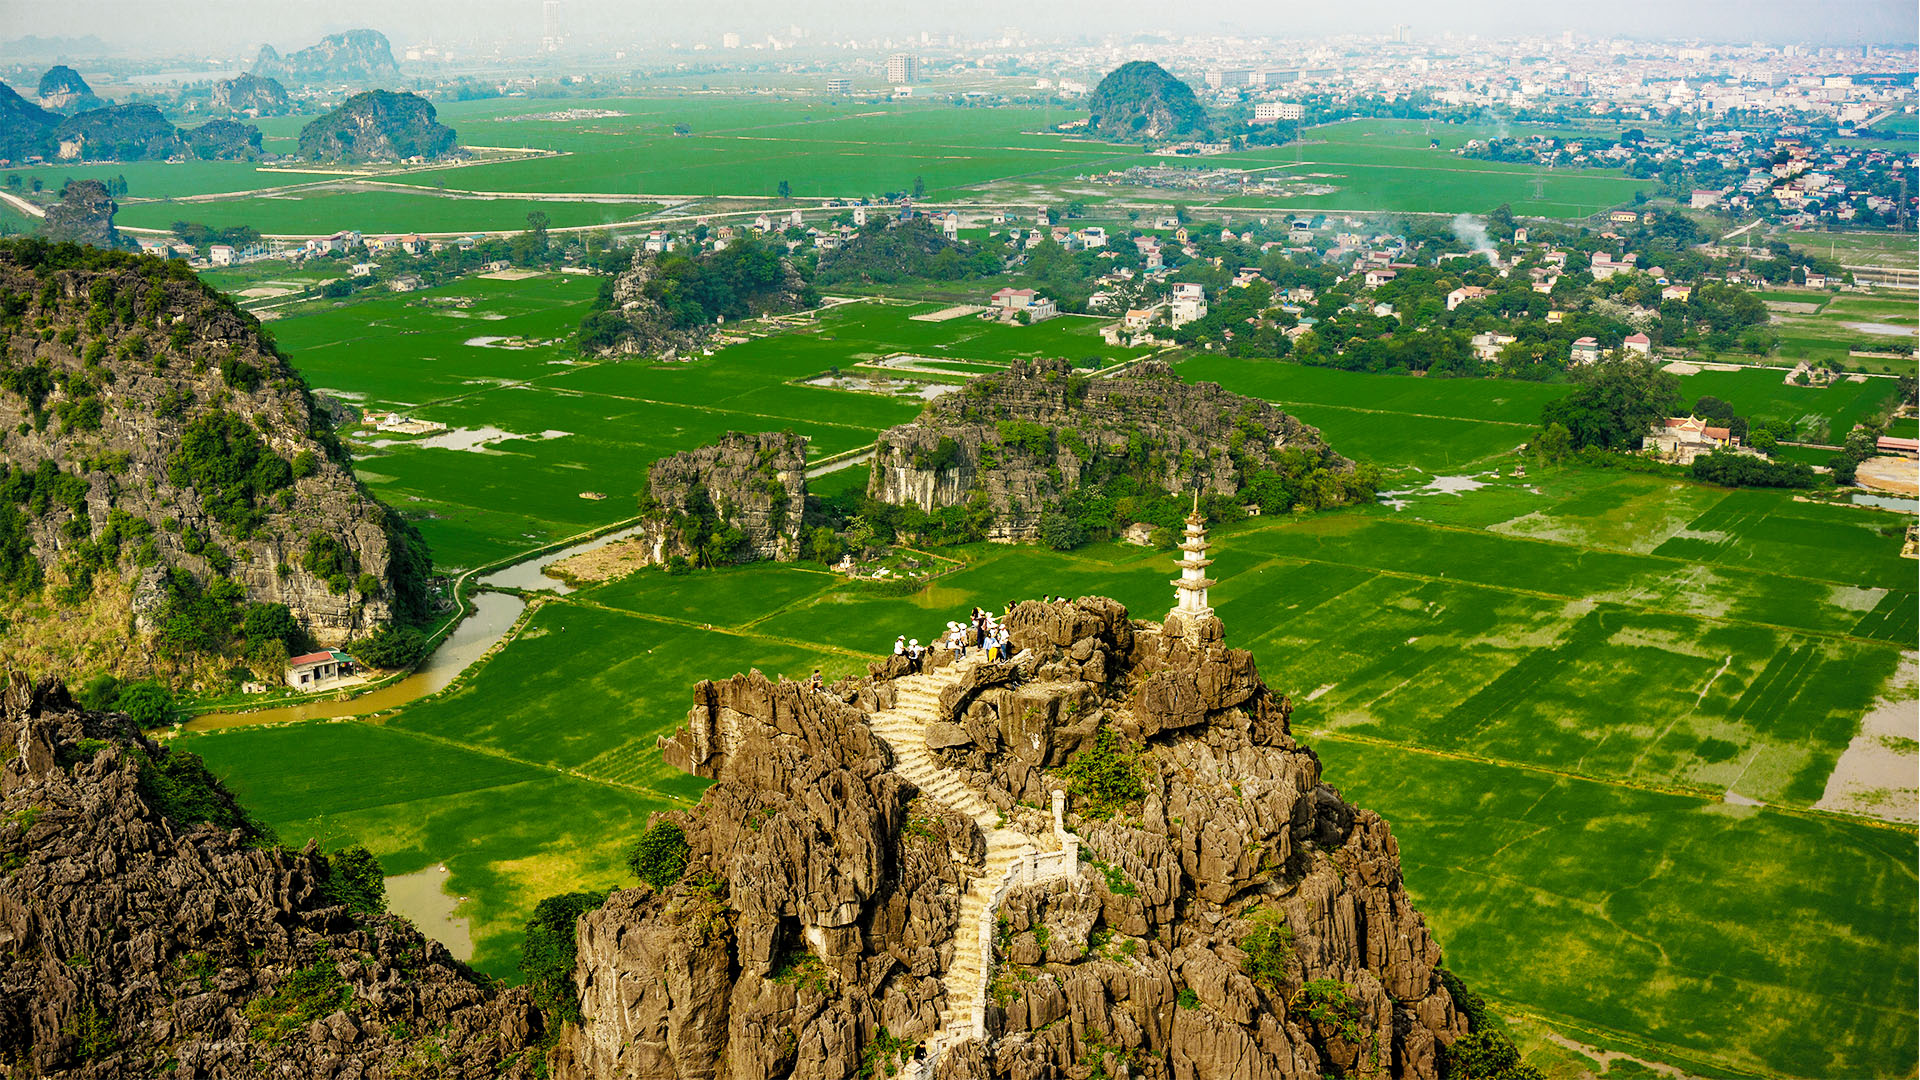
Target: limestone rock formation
(23, 125)
(1024, 437)
(1140, 100)
(754, 485)
(152, 431)
(64, 91)
(223, 140)
(84, 215)
(120, 132)
(251, 94)
(378, 125)
(356, 57)
(1229, 916)
(659, 307)
(147, 929)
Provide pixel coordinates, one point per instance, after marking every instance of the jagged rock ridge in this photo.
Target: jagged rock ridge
(1022, 438)
(84, 215)
(360, 57)
(154, 423)
(819, 935)
(378, 125)
(146, 929)
(754, 484)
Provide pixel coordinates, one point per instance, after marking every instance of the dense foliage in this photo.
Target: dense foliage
(1104, 775)
(660, 857)
(222, 457)
(177, 783)
(1745, 470)
(547, 954)
(1615, 403)
(907, 251)
(355, 879)
(1268, 948)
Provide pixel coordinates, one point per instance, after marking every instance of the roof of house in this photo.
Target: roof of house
(1694, 423)
(324, 657)
(1586, 341)
(1894, 442)
(1639, 339)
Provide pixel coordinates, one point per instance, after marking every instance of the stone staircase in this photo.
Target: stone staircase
(904, 728)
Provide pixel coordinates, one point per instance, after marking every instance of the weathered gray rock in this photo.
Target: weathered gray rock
(754, 483)
(138, 943)
(1024, 437)
(821, 905)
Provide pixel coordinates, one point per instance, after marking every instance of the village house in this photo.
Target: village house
(1585, 350)
(1680, 439)
(1189, 303)
(1487, 346)
(1465, 293)
(1681, 293)
(1605, 265)
(317, 670)
(1639, 344)
(220, 255)
(1246, 276)
(1006, 304)
(1378, 277)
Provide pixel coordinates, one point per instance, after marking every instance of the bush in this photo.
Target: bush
(660, 858)
(391, 647)
(1060, 532)
(1745, 470)
(1269, 946)
(177, 783)
(1470, 1004)
(149, 704)
(547, 955)
(1486, 1055)
(1104, 776)
(354, 878)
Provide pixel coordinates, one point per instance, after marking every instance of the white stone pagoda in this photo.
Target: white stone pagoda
(1190, 588)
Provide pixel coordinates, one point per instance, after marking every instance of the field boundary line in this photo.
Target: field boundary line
(560, 770)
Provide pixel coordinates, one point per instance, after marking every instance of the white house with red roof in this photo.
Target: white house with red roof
(1680, 439)
(318, 670)
(1640, 344)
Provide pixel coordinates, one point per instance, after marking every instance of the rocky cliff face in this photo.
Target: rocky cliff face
(146, 931)
(756, 484)
(250, 95)
(1228, 914)
(63, 90)
(23, 125)
(84, 215)
(377, 126)
(149, 428)
(1024, 437)
(359, 57)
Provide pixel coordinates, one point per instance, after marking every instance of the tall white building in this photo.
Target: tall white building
(729, 41)
(903, 69)
(552, 35)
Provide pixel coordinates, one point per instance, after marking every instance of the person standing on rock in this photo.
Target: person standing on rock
(914, 653)
(815, 682)
(900, 645)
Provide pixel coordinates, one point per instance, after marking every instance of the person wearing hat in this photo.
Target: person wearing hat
(913, 656)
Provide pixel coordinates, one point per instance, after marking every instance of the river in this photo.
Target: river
(493, 616)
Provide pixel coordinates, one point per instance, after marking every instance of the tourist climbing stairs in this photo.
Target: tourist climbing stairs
(904, 728)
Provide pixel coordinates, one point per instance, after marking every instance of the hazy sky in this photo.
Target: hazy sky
(226, 25)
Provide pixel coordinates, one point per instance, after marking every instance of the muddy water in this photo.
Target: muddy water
(422, 897)
(532, 574)
(493, 616)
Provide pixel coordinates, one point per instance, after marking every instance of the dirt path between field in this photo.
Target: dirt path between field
(1876, 776)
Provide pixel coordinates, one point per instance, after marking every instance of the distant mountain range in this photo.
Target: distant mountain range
(359, 57)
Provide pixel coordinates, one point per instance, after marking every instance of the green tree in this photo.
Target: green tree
(354, 878)
(919, 187)
(537, 223)
(1553, 443)
(547, 954)
(1615, 402)
(149, 704)
(660, 857)
(1487, 1055)
(784, 190)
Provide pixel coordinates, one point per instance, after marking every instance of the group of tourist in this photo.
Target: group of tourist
(982, 630)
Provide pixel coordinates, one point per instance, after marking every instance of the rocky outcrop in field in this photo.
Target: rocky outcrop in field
(1140, 100)
(744, 495)
(148, 929)
(251, 95)
(378, 125)
(1023, 438)
(150, 431)
(84, 215)
(667, 307)
(1229, 915)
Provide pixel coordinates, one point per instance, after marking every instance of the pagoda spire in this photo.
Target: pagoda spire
(1190, 588)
